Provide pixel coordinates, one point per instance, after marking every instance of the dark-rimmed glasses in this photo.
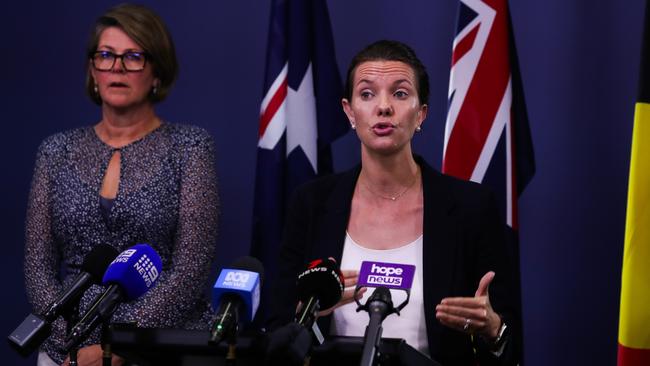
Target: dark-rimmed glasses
(131, 61)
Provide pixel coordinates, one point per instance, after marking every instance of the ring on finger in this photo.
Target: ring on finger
(468, 322)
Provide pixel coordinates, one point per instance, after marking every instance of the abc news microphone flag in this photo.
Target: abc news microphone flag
(487, 137)
(634, 323)
(300, 117)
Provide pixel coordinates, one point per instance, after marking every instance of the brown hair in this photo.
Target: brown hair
(390, 51)
(147, 30)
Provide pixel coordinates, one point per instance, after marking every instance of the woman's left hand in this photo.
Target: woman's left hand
(471, 314)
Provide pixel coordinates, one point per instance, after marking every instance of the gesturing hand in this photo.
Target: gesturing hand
(471, 314)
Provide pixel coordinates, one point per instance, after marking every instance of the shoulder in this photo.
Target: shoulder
(60, 142)
(458, 193)
(189, 136)
(333, 184)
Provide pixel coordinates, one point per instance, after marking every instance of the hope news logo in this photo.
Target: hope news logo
(381, 275)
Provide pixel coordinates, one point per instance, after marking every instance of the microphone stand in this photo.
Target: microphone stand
(231, 337)
(379, 306)
(71, 317)
(107, 354)
(226, 327)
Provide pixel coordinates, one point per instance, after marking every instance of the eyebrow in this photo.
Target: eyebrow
(396, 82)
(109, 48)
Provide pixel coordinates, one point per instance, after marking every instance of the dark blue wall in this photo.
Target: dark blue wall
(579, 62)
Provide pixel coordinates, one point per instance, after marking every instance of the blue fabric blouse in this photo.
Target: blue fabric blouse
(167, 198)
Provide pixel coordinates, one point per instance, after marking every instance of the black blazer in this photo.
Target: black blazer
(463, 239)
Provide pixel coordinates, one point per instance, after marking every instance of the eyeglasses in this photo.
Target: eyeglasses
(131, 61)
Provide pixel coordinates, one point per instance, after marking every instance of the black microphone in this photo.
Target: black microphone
(319, 287)
(92, 271)
(31, 333)
(379, 306)
(236, 297)
(128, 277)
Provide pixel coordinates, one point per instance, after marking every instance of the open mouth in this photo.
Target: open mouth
(383, 128)
(118, 85)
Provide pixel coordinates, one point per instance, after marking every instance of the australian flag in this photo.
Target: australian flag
(487, 137)
(300, 117)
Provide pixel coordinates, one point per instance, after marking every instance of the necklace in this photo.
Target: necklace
(396, 196)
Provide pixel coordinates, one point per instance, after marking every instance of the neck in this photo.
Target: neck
(388, 174)
(121, 127)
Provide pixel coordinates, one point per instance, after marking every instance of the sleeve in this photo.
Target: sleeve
(42, 257)
(492, 256)
(291, 261)
(173, 300)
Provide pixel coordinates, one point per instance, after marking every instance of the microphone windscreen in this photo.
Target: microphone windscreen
(135, 270)
(322, 279)
(97, 261)
(250, 264)
(243, 279)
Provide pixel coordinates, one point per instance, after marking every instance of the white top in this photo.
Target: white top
(410, 325)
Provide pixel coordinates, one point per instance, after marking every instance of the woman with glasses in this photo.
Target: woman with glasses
(129, 178)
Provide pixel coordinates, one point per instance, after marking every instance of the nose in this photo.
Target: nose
(384, 108)
(118, 65)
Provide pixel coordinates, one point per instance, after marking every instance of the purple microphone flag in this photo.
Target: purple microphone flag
(390, 275)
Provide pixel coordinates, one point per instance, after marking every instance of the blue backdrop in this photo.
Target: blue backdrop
(579, 63)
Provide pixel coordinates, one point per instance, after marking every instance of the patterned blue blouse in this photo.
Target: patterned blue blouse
(167, 198)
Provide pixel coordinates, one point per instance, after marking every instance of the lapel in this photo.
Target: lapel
(439, 247)
(332, 215)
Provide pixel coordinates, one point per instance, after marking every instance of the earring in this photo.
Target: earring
(418, 129)
(96, 89)
(353, 126)
(154, 90)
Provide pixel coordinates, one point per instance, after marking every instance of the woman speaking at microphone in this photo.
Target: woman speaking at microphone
(129, 178)
(395, 208)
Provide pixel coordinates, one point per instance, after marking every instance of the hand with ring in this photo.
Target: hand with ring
(468, 322)
(471, 314)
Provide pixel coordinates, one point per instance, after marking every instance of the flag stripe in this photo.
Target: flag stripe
(274, 104)
(632, 356)
(513, 204)
(634, 325)
(464, 46)
(634, 316)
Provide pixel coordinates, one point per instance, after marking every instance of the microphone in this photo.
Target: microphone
(319, 287)
(236, 295)
(31, 333)
(379, 306)
(128, 277)
(383, 276)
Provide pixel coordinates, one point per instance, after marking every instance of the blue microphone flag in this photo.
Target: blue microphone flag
(135, 270)
(244, 283)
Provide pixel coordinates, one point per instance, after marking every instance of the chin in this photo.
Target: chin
(386, 149)
(122, 103)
